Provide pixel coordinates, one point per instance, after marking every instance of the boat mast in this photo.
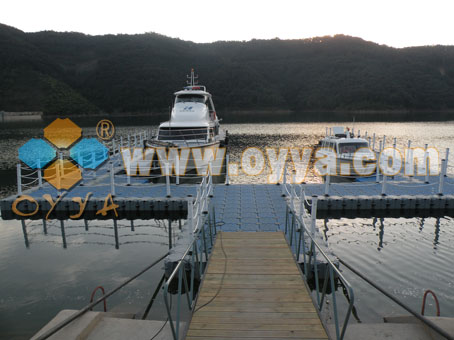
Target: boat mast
(192, 78)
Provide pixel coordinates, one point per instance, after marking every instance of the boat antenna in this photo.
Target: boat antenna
(192, 78)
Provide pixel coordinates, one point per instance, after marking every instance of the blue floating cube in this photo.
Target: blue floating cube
(89, 153)
(36, 153)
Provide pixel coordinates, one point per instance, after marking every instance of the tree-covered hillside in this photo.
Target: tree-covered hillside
(73, 73)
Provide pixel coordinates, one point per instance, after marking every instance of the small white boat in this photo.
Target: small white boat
(345, 145)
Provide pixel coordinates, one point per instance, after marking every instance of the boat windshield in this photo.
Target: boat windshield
(351, 147)
(184, 98)
(182, 133)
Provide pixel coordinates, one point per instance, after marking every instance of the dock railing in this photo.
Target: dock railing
(303, 242)
(160, 173)
(202, 227)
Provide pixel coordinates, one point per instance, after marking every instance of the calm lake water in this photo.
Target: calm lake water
(405, 256)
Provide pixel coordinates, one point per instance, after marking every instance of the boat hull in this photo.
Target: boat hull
(193, 171)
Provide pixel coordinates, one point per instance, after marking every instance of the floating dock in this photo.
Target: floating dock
(397, 197)
(245, 245)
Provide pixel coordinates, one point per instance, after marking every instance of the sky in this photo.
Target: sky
(397, 23)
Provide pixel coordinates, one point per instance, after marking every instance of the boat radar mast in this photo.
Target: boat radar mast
(192, 79)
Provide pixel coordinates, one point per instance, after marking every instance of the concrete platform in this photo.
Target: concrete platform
(397, 328)
(101, 326)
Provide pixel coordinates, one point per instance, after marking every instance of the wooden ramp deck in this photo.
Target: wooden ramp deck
(262, 296)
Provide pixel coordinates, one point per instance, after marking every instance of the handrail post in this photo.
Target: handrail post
(227, 182)
(40, 178)
(328, 177)
(190, 217)
(128, 174)
(377, 170)
(210, 179)
(301, 202)
(61, 164)
(383, 186)
(38, 169)
(336, 321)
(447, 160)
(284, 179)
(177, 170)
(394, 147)
(442, 177)
(313, 214)
(177, 321)
(19, 179)
(112, 179)
(168, 180)
(407, 156)
(427, 164)
(57, 173)
(373, 142)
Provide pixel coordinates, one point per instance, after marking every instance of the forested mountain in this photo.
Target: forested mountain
(73, 73)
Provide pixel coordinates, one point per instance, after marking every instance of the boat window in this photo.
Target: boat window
(351, 147)
(181, 133)
(185, 98)
(210, 106)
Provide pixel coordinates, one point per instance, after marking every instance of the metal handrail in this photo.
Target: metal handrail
(423, 307)
(196, 251)
(298, 231)
(198, 216)
(93, 296)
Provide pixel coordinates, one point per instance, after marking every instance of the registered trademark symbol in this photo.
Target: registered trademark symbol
(105, 129)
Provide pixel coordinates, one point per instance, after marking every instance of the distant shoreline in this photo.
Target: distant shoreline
(266, 112)
(255, 116)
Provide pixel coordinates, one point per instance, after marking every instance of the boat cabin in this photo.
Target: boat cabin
(193, 117)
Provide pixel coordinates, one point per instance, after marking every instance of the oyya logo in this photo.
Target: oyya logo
(62, 134)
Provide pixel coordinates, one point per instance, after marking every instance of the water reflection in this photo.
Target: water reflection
(437, 233)
(54, 277)
(100, 233)
(407, 256)
(381, 229)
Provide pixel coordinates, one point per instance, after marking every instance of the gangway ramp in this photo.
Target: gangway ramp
(253, 289)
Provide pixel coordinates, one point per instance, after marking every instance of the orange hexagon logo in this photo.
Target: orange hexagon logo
(62, 133)
(62, 174)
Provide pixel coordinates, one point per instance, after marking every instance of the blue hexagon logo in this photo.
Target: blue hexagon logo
(36, 153)
(89, 153)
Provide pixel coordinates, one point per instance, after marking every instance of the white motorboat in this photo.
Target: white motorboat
(193, 120)
(344, 146)
(193, 123)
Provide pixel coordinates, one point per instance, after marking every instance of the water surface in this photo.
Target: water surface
(405, 256)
